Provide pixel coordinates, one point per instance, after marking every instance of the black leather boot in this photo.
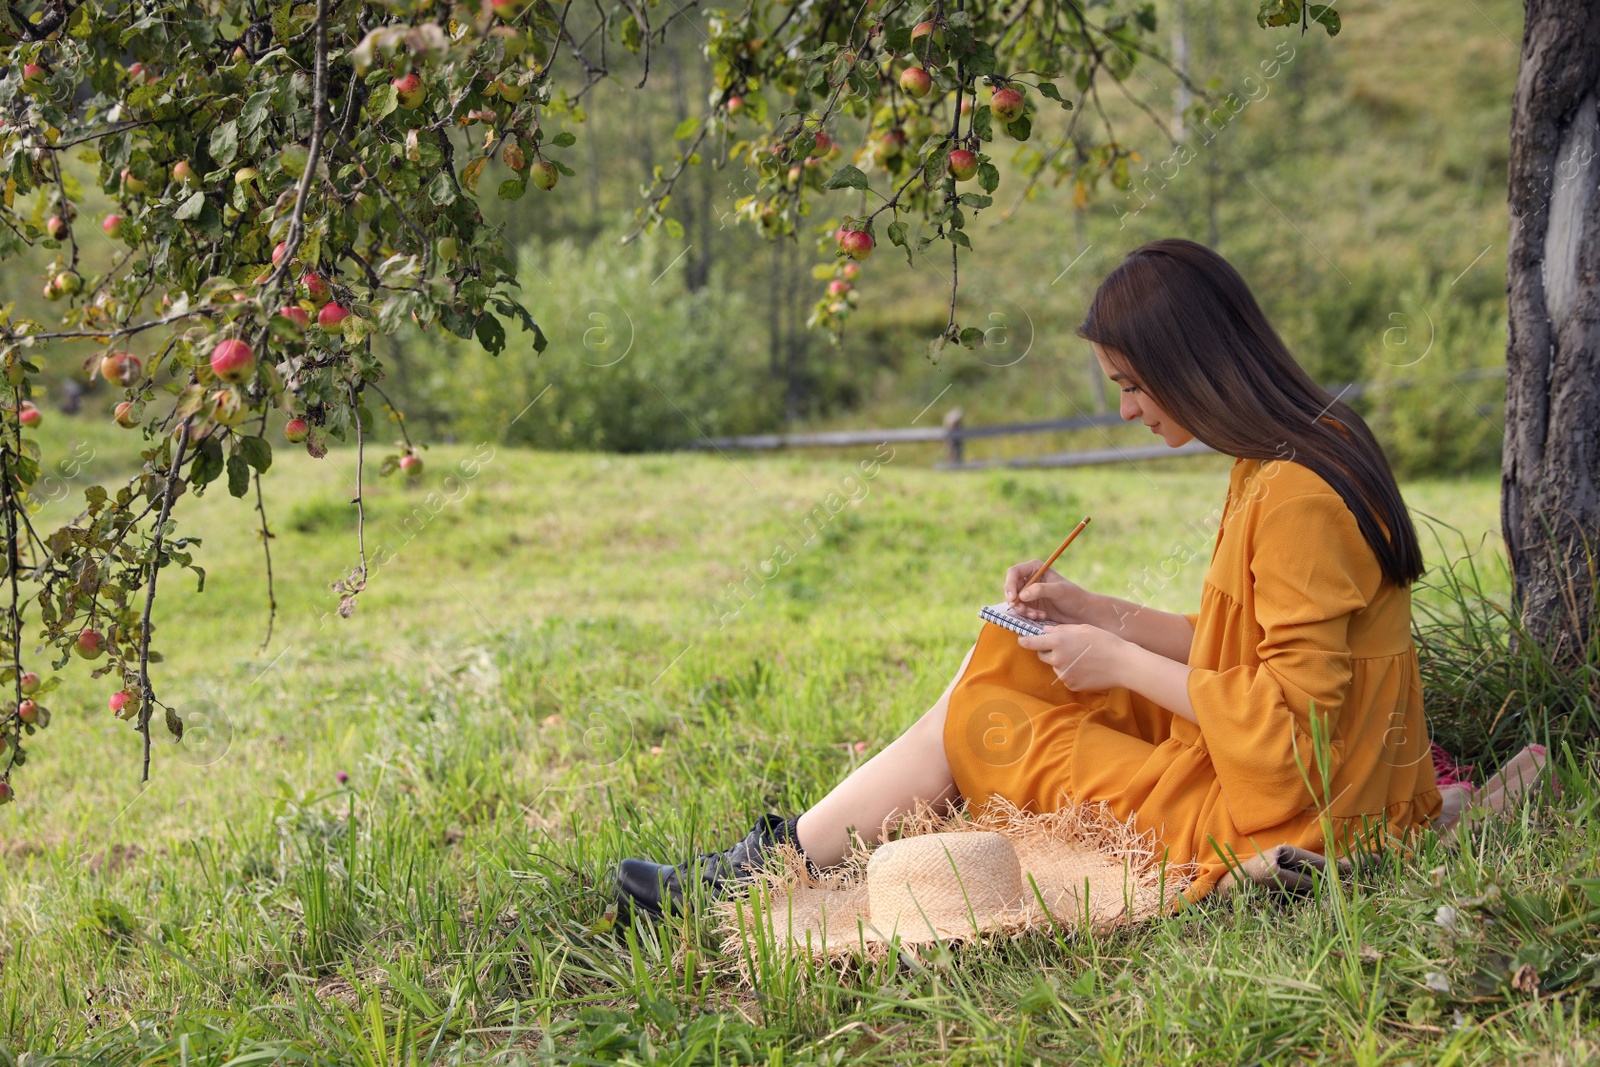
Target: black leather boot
(658, 889)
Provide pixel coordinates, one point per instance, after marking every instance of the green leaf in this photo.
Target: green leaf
(1021, 129)
(971, 337)
(988, 177)
(491, 335)
(959, 237)
(255, 111)
(563, 140)
(847, 177)
(191, 208)
(382, 102)
(442, 190)
(238, 475)
(674, 228)
(1325, 16)
(512, 189)
(976, 200)
(207, 463)
(897, 235)
(1278, 13)
(982, 126)
(224, 143)
(256, 452)
(685, 128)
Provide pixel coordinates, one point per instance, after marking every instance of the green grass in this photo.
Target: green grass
(537, 684)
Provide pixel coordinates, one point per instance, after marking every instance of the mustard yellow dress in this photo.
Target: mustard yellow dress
(1295, 614)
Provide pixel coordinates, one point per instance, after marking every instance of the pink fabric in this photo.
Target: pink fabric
(1447, 771)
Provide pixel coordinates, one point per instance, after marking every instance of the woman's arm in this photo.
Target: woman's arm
(1158, 679)
(1165, 634)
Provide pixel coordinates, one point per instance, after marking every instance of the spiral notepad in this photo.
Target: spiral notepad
(1000, 615)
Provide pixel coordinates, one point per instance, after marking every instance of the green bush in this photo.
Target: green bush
(634, 362)
(1438, 368)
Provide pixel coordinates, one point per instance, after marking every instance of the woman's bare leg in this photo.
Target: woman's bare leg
(912, 768)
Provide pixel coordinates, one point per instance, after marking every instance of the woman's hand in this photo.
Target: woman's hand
(1085, 658)
(1051, 599)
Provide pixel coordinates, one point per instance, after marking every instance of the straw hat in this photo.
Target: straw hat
(957, 877)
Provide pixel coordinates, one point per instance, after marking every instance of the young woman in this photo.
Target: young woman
(1289, 706)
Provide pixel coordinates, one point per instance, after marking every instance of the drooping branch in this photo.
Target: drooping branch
(319, 122)
(147, 693)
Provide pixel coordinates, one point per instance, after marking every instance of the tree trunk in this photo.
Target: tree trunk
(1550, 506)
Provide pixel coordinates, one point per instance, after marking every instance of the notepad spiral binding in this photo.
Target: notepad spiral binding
(997, 614)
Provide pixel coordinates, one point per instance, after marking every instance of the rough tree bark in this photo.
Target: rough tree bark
(1550, 504)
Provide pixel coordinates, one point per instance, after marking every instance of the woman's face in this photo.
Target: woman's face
(1137, 404)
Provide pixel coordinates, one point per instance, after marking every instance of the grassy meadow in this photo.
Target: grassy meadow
(548, 672)
(388, 839)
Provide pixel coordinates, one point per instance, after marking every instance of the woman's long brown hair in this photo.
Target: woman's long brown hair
(1188, 328)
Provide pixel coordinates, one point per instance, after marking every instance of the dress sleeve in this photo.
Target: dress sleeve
(1310, 569)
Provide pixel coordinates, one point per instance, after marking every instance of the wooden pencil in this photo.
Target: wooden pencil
(1076, 530)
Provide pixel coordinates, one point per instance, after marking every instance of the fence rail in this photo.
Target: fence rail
(954, 434)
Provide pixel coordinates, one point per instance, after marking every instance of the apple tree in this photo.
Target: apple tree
(289, 180)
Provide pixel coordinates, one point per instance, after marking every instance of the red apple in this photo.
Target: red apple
(226, 408)
(508, 9)
(857, 244)
(122, 701)
(735, 105)
(30, 683)
(279, 252)
(412, 465)
(5, 793)
(183, 173)
(410, 91)
(29, 415)
(316, 287)
(125, 416)
(295, 430)
(824, 143)
(131, 183)
(56, 227)
(136, 73)
(916, 82)
(121, 368)
(33, 75)
(921, 30)
(296, 316)
(544, 175)
(112, 225)
(838, 287)
(851, 270)
(90, 644)
(963, 164)
(233, 361)
(28, 711)
(331, 316)
(1006, 104)
(69, 282)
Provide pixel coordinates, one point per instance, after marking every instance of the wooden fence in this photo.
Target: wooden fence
(954, 433)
